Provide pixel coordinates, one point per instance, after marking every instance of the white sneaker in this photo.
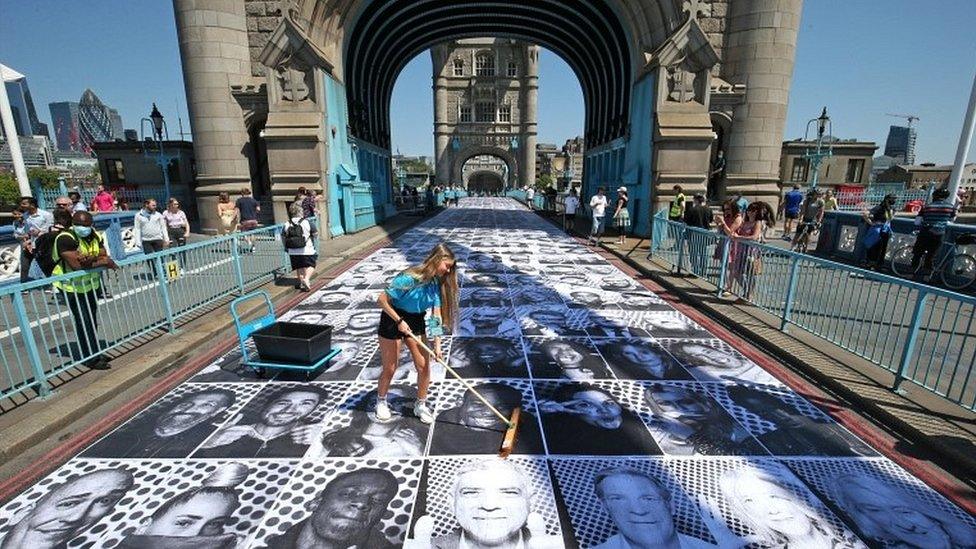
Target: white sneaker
(383, 411)
(421, 410)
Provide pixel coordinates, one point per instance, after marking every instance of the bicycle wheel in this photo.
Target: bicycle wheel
(901, 262)
(959, 272)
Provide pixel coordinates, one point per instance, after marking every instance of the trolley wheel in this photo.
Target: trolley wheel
(901, 262)
(959, 272)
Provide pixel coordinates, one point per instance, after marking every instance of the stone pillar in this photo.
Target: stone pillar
(530, 117)
(760, 49)
(442, 132)
(215, 55)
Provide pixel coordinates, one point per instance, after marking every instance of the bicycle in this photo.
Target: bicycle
(957, 268)
(802, 241)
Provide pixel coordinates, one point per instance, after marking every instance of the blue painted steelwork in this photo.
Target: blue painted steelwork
(147, 293)
(919, 333)
(627, 161)
(339, 150)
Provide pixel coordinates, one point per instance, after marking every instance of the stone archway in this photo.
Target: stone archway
(462, 156)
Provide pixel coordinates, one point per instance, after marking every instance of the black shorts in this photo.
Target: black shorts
(791, 215)
(388, 327)
(571, 216)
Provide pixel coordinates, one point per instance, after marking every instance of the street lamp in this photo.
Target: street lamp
(157, 132)
(815, 158)
(157, 122)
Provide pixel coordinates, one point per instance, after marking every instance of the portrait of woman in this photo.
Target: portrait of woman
(586, 419)
(776, 515)
(565, 358)
(640, 359)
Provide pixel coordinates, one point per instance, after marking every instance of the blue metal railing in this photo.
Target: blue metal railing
(921, 334)
(39, 338)
(132, 197)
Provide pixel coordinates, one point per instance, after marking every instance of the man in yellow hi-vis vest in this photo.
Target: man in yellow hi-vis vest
(75, 249)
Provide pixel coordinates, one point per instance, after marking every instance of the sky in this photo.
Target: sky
(859, 61)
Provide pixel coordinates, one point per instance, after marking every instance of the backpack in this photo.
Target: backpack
(295, 236)
(44, 252)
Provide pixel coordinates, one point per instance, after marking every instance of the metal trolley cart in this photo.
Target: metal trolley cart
(281, 345)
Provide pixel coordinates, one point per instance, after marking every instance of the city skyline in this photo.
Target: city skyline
(860, 73)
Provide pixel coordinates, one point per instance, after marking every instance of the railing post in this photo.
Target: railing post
(909, 349)
(790, 292)
(724, 267)
(682, 231)
(164, 292)
(43, 388)
(235, 251)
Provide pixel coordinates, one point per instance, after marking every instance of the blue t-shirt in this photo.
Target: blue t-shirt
(248, 207)
(410, 295)
(792, 201)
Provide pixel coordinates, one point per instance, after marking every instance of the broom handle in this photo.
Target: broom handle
(461, 379)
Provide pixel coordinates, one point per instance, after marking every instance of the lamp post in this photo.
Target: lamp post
(158, 130)
(815, 158)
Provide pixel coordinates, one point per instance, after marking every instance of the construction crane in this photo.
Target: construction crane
(910, 117)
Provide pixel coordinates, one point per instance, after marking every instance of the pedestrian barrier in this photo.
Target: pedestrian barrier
(921, 334)
(39, 338)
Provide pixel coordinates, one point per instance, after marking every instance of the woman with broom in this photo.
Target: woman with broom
(430, 285)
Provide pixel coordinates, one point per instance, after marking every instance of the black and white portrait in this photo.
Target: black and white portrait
(687, 422)
(348, 512)
(228, 369)
(485, 280)
(485, 502)
(174, 426)
(470, 427)
(355, 431)
(585, 298)
(356, 323)
(672, 324)
(330, 299)
(613, 324)
(639, 358)
(775, 511)
(618, 283)
(483, 262)
(195, 517)
(786, 430)
(552, 320)
(484, 297)
(641, 301)
(281, 421)
(485, 321)
(66, 509)
(536, 296)
(565, 358)
(714, 360)
(587, 419)
(300, 316)
(885, 506)
(474, 357)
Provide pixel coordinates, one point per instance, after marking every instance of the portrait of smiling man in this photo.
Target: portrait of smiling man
(640, 507)
(346, 514)
(167, 430)
(279, 429)
(492, 501)
(67, 509)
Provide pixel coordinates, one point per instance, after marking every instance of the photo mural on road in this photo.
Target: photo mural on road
(639, 429)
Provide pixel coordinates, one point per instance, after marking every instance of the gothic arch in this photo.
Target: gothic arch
(465, 154)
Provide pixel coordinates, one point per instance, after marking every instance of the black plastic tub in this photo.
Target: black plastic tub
(293, 343)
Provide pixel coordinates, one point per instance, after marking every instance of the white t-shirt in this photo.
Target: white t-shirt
(530, 194)
(309, 248)
(598, 204)
(572, 203)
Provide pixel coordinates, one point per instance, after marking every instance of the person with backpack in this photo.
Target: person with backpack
(44, 262)
(299, 239)
(79, 248)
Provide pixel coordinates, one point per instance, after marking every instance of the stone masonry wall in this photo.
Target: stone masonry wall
(263, 17)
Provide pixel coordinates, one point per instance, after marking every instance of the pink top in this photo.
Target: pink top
(103, 202)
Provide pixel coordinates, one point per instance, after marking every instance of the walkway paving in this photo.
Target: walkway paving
(639, 426)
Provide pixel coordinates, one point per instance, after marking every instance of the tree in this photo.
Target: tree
(47, 178)
(417, 166)
(544, 182)
(9, 189)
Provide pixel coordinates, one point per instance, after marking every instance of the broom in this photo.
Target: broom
(512, 424)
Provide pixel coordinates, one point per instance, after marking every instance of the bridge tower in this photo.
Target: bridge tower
(485, 96)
